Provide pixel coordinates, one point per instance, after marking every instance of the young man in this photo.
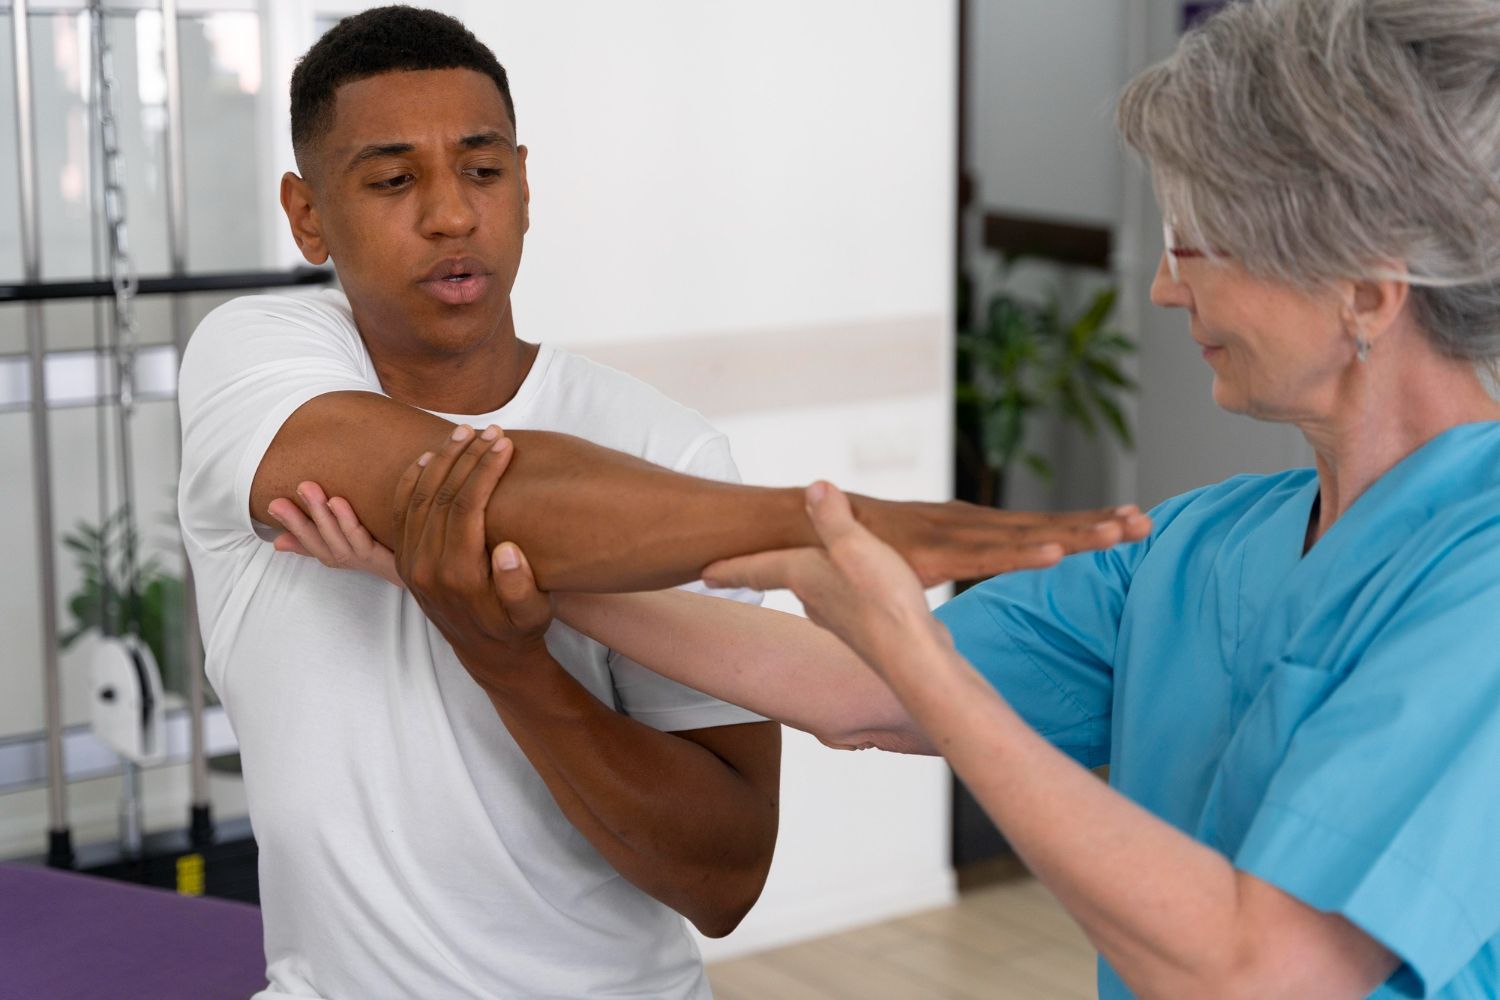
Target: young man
(413, 844)
(422, 835)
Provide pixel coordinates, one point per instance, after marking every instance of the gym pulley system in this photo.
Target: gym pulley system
(126, 695)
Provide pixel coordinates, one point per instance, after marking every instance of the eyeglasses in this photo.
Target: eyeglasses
(1175, 252)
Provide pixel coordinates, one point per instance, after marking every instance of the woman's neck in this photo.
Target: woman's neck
(1389, 407)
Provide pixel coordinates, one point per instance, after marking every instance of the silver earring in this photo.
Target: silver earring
(1361, 349)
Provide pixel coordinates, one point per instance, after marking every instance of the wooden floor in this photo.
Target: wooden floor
(1008, 941)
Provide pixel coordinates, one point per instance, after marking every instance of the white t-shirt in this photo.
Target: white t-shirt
(407, 847)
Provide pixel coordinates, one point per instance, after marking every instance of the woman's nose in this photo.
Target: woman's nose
(1167, 291)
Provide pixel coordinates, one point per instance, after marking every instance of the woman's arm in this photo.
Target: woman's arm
(778, 665)
(1173, 917)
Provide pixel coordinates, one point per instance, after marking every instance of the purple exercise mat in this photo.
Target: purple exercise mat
(65, 936)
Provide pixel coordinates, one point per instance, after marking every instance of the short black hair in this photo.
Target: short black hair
(376, 41)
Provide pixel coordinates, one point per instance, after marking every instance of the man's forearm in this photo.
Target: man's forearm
(673, 818)
(588, 518)
(592, 519)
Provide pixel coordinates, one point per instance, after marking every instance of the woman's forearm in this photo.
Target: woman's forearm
(778, 665)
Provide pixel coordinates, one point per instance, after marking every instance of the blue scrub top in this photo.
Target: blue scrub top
(1329, 722)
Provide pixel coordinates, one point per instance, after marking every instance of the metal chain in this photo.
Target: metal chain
(122, 275)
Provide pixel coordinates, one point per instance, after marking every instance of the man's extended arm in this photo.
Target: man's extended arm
(592, 519)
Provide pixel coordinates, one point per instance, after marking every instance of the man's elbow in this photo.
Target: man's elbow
(728, 898)
(720, 917)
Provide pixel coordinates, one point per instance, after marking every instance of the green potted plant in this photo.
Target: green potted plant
(117, 599)
(1019, 359)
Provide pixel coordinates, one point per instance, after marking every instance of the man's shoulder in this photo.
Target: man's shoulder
(326, 308)
(244, 328)
(621, 411)
(259, 338)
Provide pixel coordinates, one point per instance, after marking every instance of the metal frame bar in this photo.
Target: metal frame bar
(76, 378)
(200, 821)
(219, 281)
(193, 9)
(60, 847)
(22, 757)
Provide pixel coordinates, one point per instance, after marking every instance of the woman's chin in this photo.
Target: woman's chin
(1229, 399)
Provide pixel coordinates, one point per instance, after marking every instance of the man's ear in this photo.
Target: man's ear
(525, 190)
(302, 216)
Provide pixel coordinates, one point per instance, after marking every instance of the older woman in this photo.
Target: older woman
(1296, 677)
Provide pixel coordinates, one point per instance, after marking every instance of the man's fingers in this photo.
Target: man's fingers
(405, 487)
(444, 511)
(1073, 534)
(979, 563)
(1099, 535)
(432, 474)
(466, 521)
(423, 528)
(515, 586)
(1067, 518)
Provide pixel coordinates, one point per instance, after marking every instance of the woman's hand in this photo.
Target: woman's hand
(483, 602)
(333, 535)
(856, 586)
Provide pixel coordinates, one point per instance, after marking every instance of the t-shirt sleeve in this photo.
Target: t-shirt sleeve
(647, 696)
(250, 364)
(1045, 639)
(1384, 808)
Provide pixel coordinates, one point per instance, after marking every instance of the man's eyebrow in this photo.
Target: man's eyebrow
(376, 151)
(479, 140)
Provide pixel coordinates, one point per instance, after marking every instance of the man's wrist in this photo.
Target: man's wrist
(509, 671)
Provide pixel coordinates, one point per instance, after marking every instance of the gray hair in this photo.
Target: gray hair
(1311, 140)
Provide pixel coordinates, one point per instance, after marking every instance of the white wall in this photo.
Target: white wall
(699, 167)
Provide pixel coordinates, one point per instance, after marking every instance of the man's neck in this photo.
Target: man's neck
(476, 382)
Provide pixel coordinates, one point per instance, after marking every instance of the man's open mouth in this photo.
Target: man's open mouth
(461, 286)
